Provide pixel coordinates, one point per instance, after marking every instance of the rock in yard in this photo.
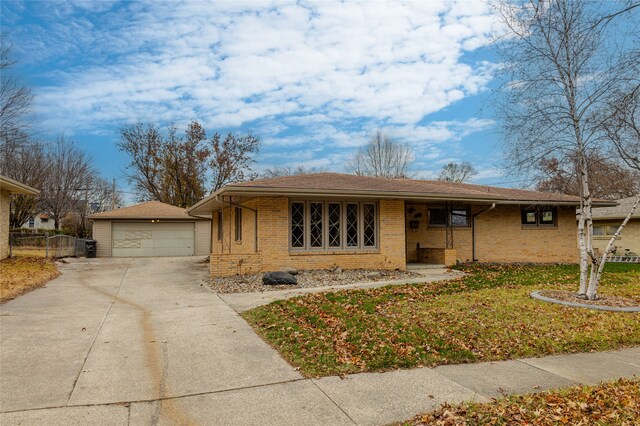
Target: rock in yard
(274, 278)
(290, 271)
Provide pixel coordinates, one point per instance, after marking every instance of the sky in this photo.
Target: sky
(313, 80)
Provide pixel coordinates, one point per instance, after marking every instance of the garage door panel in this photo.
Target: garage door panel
(147, 239)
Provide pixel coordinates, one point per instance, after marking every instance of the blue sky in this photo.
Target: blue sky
(313, 80)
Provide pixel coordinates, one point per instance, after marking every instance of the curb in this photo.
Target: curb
(537, 295)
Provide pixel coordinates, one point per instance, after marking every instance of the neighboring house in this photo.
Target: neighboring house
(606, 221)
(328, 219)
(7, 187)
(39, 221)
(150, 229)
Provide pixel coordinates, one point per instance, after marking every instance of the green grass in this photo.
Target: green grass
(613, 403)
(486, 315)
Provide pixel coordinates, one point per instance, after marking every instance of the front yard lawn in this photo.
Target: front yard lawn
(613, 403)
(20, 275)
(484, 316)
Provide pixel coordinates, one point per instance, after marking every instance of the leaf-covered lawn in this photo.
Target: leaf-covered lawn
(19, 275)
(614, 403)
(486, 315)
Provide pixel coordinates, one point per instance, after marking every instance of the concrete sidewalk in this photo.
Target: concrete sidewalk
(364, 399)
(241, 302)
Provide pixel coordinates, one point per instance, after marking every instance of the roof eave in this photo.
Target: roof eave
(15, 187)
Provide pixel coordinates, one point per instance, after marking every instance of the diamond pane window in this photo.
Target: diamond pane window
(334, 224)
(315, 226)
(352, 225)
(369, 225)
(297, 225)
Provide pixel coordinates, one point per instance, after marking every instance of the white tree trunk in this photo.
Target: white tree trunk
(582, 246)
(595, 279)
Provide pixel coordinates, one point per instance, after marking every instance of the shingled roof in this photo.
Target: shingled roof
(619, 212)
(147, 210)
(337, 184)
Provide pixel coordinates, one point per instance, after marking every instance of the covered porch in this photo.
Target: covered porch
(440, 232)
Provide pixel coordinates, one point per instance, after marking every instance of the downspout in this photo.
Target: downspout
(255, 211)
(473, 230)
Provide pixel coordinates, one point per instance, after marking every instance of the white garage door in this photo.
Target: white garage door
(133, 239)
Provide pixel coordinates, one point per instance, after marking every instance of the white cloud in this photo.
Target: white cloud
(334, 71)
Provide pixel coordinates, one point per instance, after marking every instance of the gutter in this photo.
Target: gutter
(473, 230)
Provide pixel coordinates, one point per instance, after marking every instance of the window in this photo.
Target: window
(458, 217)
(352, 225)
(315, 224)
(539, 217)
(219, 225)
(601, 231)
(238, 224)
(333, 225)
(438, 217)
(297, 225)
(335, 220)
(369, 225)
(32, 222)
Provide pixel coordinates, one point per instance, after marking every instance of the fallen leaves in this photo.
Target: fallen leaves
(613, 403)
(484, 316)
(19, 275)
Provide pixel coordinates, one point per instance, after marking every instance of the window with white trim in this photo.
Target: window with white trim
(333, 225)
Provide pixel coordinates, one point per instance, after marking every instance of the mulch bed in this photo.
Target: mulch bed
(567, 296)
(306, 279)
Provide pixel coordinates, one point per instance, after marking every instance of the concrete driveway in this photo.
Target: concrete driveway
(142, 341)
(145, 342)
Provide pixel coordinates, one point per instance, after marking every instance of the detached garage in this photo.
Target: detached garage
(151, 229)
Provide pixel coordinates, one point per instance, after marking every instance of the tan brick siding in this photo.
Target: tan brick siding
(500, 237)
(629, 238)
(273, 246)
(5, 205)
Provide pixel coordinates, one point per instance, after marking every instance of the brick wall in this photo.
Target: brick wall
(273, 242)
(5, 198)
(629, 238)
(500, 237)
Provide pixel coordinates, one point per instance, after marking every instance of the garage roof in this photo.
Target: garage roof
(147, 210)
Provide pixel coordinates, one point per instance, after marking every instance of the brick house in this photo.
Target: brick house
(606, 221)
(7, 187)
(329, 219)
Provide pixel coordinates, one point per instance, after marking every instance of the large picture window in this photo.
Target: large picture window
(333, 225)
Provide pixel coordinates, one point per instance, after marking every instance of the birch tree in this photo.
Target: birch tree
(562, 61)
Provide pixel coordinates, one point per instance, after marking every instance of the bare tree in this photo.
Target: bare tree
(622, 126)
(15, 98)
(610, 178)
(232, 158)
(562, 62)
(457, 172)
(25, 161)
(69, 177)
(275, 172)
(144, 145)
(382, 157)
(99, 195)
(173, 169)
